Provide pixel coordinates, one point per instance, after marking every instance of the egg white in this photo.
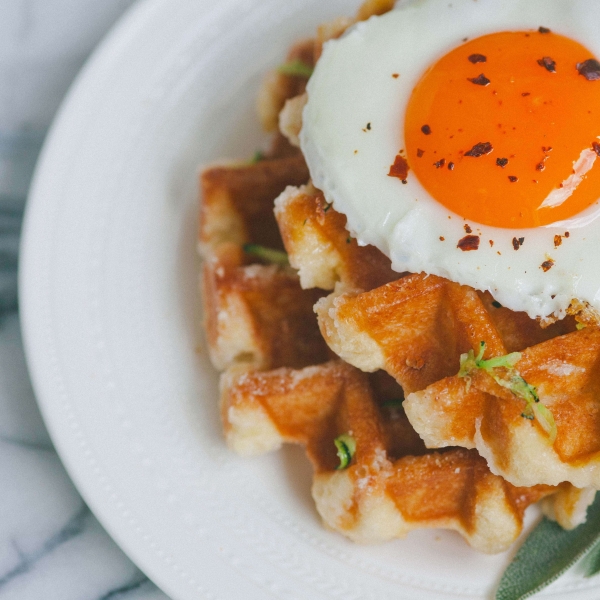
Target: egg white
(353, 85)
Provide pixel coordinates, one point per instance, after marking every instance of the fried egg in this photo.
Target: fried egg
(462, 139)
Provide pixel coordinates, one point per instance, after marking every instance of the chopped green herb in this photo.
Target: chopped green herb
(346, 447)
(258, 156)
(296, 68)
(496, 304)
(349, 239)
(269, 255)
(580, 326)
(394, 403)
(512, 381)
(328, 205)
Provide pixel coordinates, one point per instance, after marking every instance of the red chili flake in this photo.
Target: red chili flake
(420, 152)
(567, 234)
(468, 243)
(477, 58)
(544, 30)
(547, 265)
(525, 94)
(440, 163)
(540, 166)
(426, 129)
(399, 169)
(502, 162)
(513, 179)
(590, 69)
(517, 242)
(491, 243)
(480, 80)
(479, 149)
(557, 240)
(450, 166)
(596, 148)
(395, 75)
(442, 239)
(548, 64)
(468, 229)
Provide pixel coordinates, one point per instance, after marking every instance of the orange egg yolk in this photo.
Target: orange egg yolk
(504, 130)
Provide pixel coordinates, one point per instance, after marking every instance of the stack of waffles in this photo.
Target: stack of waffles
(320, 343)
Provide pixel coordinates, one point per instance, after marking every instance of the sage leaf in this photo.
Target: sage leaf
(592, 566)
(546, 554)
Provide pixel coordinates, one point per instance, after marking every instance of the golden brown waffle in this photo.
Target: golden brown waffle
(277, 386)
(484, 415)
(278, 87)
(255, 314)
(237, 200)
(388, 489)
(319, 246)
(258, 315)
(415, 328)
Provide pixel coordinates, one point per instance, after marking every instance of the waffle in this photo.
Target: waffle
(263, 334)
(396, 333)
(486, 416)
(416, 329)
(237, 199)
(255, 314)
(321, 249)
(393, 484)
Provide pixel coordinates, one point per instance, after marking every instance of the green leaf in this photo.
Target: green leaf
(546, 554)
(592, 562)
(346, 447)
(269, 255)
(296, 68)
(393, 403)
(257, 157)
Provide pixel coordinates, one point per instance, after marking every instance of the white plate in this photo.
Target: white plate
(110, 316)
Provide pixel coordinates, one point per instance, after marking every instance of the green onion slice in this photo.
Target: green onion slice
(346, 447)
(296, 68)
(257, 157)
(393, 403)
(276, 257)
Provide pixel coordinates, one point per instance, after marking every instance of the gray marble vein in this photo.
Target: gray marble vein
(51, 546)
(28, 560)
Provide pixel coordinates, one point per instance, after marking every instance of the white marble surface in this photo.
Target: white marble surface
(51, 546)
